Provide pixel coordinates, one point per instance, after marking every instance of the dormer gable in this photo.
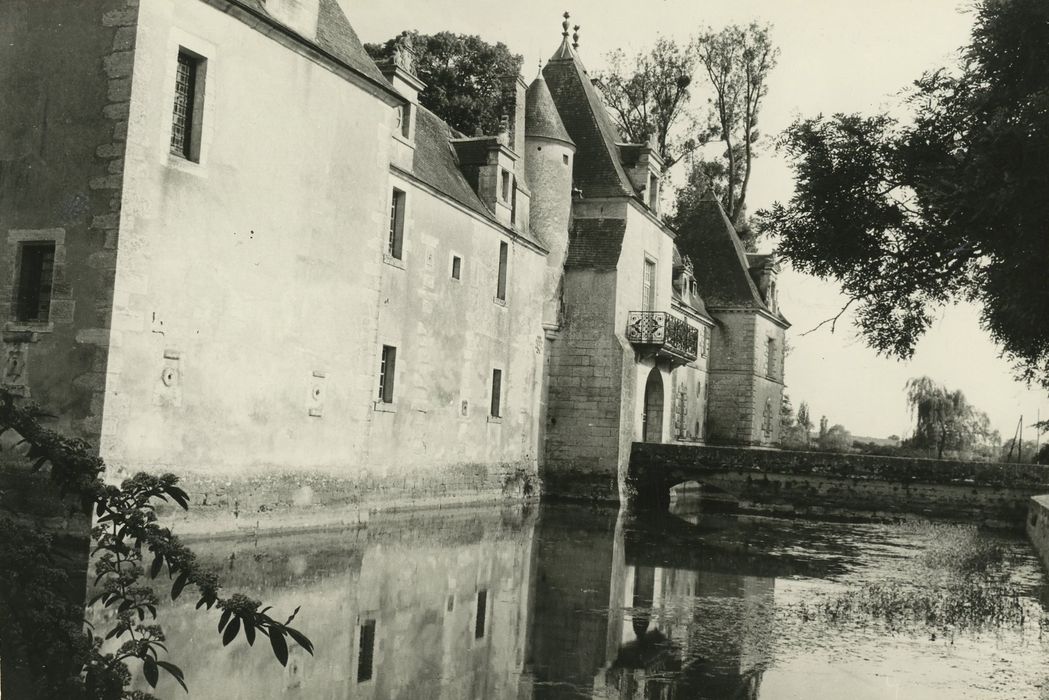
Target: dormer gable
(490, 167)
(764, 268)
(644, 166)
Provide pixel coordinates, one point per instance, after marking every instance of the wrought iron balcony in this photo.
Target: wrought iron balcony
(670, 337)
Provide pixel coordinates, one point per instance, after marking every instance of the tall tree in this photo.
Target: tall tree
(736, 61)
(469, 82)
(950, 205)
(805, 420)
(649, 95)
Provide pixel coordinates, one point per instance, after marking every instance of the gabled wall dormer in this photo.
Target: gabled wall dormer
(644, 167)
(494, 167)
(764, 270)
(399, 69)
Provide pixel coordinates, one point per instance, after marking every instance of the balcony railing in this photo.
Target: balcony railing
(667, 335)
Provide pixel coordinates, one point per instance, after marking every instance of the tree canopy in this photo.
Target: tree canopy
(469, 82)
(949, 205)
(650, 94)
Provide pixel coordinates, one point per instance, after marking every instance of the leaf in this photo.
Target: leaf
(280, 646)
(175, 672)
(231, 631)
(224, 619)
(158, 562)
(300, 639)
(180, 583)
(249, 632)
(149, 668)
(292, 616)
(179, 496)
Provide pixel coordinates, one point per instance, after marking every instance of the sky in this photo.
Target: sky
(836, 56)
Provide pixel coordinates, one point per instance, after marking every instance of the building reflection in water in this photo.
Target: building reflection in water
(562, 603)
(611, 623)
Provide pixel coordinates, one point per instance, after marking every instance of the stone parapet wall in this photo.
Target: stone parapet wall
(841, 485)
(1038, 526)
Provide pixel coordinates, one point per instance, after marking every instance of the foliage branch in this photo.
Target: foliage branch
(125, 536)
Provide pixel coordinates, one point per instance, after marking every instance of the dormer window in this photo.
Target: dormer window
(653, 192)
(405, 118)
(506, 185)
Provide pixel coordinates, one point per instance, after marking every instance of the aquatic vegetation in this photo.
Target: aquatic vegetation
(959, 582)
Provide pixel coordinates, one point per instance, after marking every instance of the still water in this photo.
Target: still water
(571, 602)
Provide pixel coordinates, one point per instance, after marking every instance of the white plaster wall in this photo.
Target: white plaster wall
(450, 335)
(252, 276)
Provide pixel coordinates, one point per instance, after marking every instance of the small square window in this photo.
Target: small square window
(497, 391)
(387, 369)
(457, 267)
(36, 272)
(564, 159)
(188, 105)
(395, 244)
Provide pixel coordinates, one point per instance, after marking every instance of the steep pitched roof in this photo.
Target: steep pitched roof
(721, 265)
(541, 117)
(597, 170)
(335, 34)
(436, 164)
(595, 243)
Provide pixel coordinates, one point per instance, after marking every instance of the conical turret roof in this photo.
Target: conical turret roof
(541, 117)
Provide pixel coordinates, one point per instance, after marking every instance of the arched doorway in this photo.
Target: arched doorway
(652, 418)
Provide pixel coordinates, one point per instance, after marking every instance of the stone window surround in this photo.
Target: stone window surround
(181, 41)
(61, 290)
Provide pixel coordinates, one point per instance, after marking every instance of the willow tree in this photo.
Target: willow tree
(944, 418)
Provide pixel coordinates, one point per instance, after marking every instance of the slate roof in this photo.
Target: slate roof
(334, 35)
(595, 243)
(722, 269)
(541, 117)
(436, 164)
(597, 170)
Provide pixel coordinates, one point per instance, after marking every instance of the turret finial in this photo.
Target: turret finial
(564, 25)
(575, 37)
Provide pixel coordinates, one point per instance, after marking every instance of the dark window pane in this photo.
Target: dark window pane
(35, 279)
(366, 653)
(482, 613)
(497, 390)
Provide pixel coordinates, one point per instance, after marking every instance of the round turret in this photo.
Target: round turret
(549, 158)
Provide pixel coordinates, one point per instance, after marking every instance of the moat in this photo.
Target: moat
(559, 601)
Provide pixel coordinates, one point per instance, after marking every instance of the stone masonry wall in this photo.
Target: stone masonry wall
(65, 77)
(585, 387)
(731, 399)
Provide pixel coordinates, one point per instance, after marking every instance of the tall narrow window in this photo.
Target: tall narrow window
(35, 278)
(504, 254)
(406, 119)
(648, 286)
(457, 267)
(506, 185)
(189, 101)
(387, 368)
(497, 391)
(366, 651)
(770, 358)
(704, 341)
(482, 614)
(395, 244)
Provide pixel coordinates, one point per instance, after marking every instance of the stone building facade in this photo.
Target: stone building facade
(234, 247)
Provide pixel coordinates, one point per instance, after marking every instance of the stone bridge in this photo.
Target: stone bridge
(830, 485)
